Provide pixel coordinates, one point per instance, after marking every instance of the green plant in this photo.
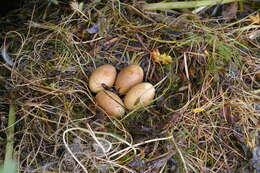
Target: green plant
(8, 167)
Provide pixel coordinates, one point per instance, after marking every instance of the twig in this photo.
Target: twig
(180, 5)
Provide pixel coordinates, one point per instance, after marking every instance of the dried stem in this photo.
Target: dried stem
(180, 5)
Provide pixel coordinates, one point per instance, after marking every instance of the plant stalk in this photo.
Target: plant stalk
(186, 4)
(10, 134)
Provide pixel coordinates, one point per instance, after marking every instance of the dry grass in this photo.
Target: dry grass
(203, 119)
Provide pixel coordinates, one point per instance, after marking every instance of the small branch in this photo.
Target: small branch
(186, 4)
(10, 134)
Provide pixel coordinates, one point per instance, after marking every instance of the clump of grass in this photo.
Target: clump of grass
(204, 116)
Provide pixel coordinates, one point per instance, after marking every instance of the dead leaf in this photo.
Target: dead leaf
(160, 161)
(198, 110)
(192, 72)
(137, 162)
(231, 11)
(160, 58)
(255, 19)
(169, 122)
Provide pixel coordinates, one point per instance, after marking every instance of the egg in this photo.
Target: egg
(105, 74)
(110, 103)
(140, 95)
(129, 77)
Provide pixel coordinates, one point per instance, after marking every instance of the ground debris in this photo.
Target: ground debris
(255, 161)
(204, 66)
(151, 166)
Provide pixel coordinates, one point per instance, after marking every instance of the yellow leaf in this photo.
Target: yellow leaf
(198, 110)
(255, 19)
(206, 52)
(160, 58)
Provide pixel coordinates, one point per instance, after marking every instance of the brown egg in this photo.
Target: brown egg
(140, 95)
(129, 77)
(105, 74)
(110, 103)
